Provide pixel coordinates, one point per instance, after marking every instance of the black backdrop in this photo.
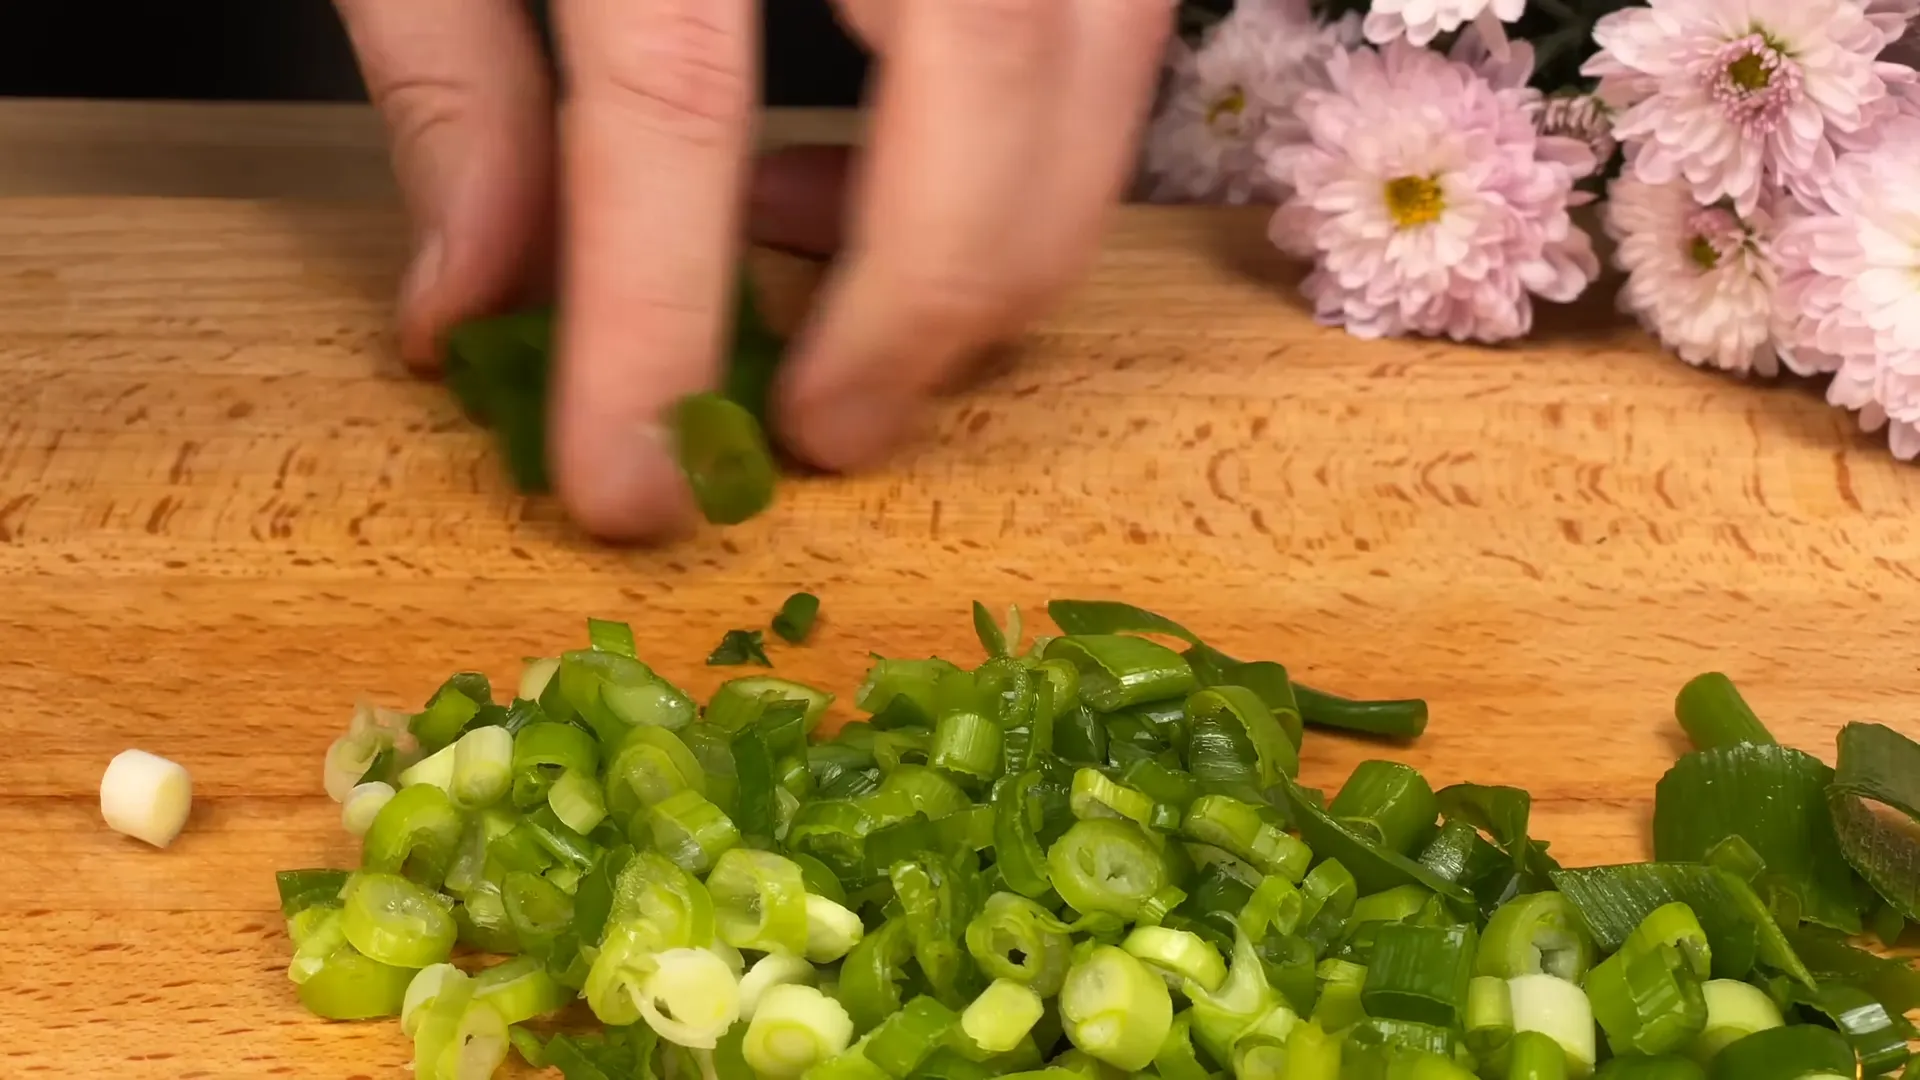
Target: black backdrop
(296, 50)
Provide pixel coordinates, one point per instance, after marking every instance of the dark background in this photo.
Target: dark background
(295, 50)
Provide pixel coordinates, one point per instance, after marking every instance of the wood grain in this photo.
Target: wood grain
(225, 513)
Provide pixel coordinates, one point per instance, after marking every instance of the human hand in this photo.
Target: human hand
(1001, 133)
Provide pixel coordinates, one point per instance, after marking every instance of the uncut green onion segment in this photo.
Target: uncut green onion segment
(499, 369)
(1085, 855)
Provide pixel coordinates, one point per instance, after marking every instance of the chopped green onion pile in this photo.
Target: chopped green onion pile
(1088, 856)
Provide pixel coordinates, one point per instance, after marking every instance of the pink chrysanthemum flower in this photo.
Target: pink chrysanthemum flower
(1849, 296)
(1227, 98)
(1700, 278)
(1420, 21)
(1728, 94)
(1428, 200)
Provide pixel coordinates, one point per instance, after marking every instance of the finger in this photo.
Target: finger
(1118, 49)
(654, 135)
(868, 20)
(464, 93)
(799, 199)
(962, 116)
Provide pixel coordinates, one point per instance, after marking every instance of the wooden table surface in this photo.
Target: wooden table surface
(225, 513)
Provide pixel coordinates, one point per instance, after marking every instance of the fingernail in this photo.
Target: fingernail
(858, 430)
(631, 490)
(423, 272)
(416, 320)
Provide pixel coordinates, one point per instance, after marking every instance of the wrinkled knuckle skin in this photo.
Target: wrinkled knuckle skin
(415, 107)
(681, 72)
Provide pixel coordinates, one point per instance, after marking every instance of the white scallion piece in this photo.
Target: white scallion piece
(363, 804)
(691, 999)
(146, 797)
(832, 930)
(771, 970)
(1557, 1008)
(536, 675)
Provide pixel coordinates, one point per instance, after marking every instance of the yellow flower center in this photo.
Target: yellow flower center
(1750, 73)
(1702, 252)
(1227, 107)
(1414, 200)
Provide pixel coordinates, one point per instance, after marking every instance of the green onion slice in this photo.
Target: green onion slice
(873, 972)
(1714, 715)
(1374, 868)
(1014, 938)
(1420, 973)
(1108, 866)
(724, 456)
(392, 920)
(1538, 932)
(417, 834)
(796, 617)
(671, 908)
(1390, 804)
(1117, 670)
(1115, 1009)
(759, 901)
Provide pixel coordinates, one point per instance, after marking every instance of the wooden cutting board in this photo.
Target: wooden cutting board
(225, 514)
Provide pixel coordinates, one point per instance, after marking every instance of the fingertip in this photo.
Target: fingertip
(846, 423)
(620, 484)
(421, 326)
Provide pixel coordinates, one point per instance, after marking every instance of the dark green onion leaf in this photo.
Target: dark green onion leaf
(1614, 900)
(1879, 1037)
(796, 617)
(497, 368)
(1774, 798)
(1894, 982)
(1113, 617)
(739, 647)
(1401, 719)
(302, 889)
(1795, 1052)
(723, 454)
(1714, 714)
(1396, 719)
(991, 639)
(1876, 811)
(1374, 868)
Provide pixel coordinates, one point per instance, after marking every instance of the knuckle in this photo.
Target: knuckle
(681, 70)
(416, 106)
(1024, 28)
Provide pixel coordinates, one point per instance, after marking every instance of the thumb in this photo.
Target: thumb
(464, 92)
